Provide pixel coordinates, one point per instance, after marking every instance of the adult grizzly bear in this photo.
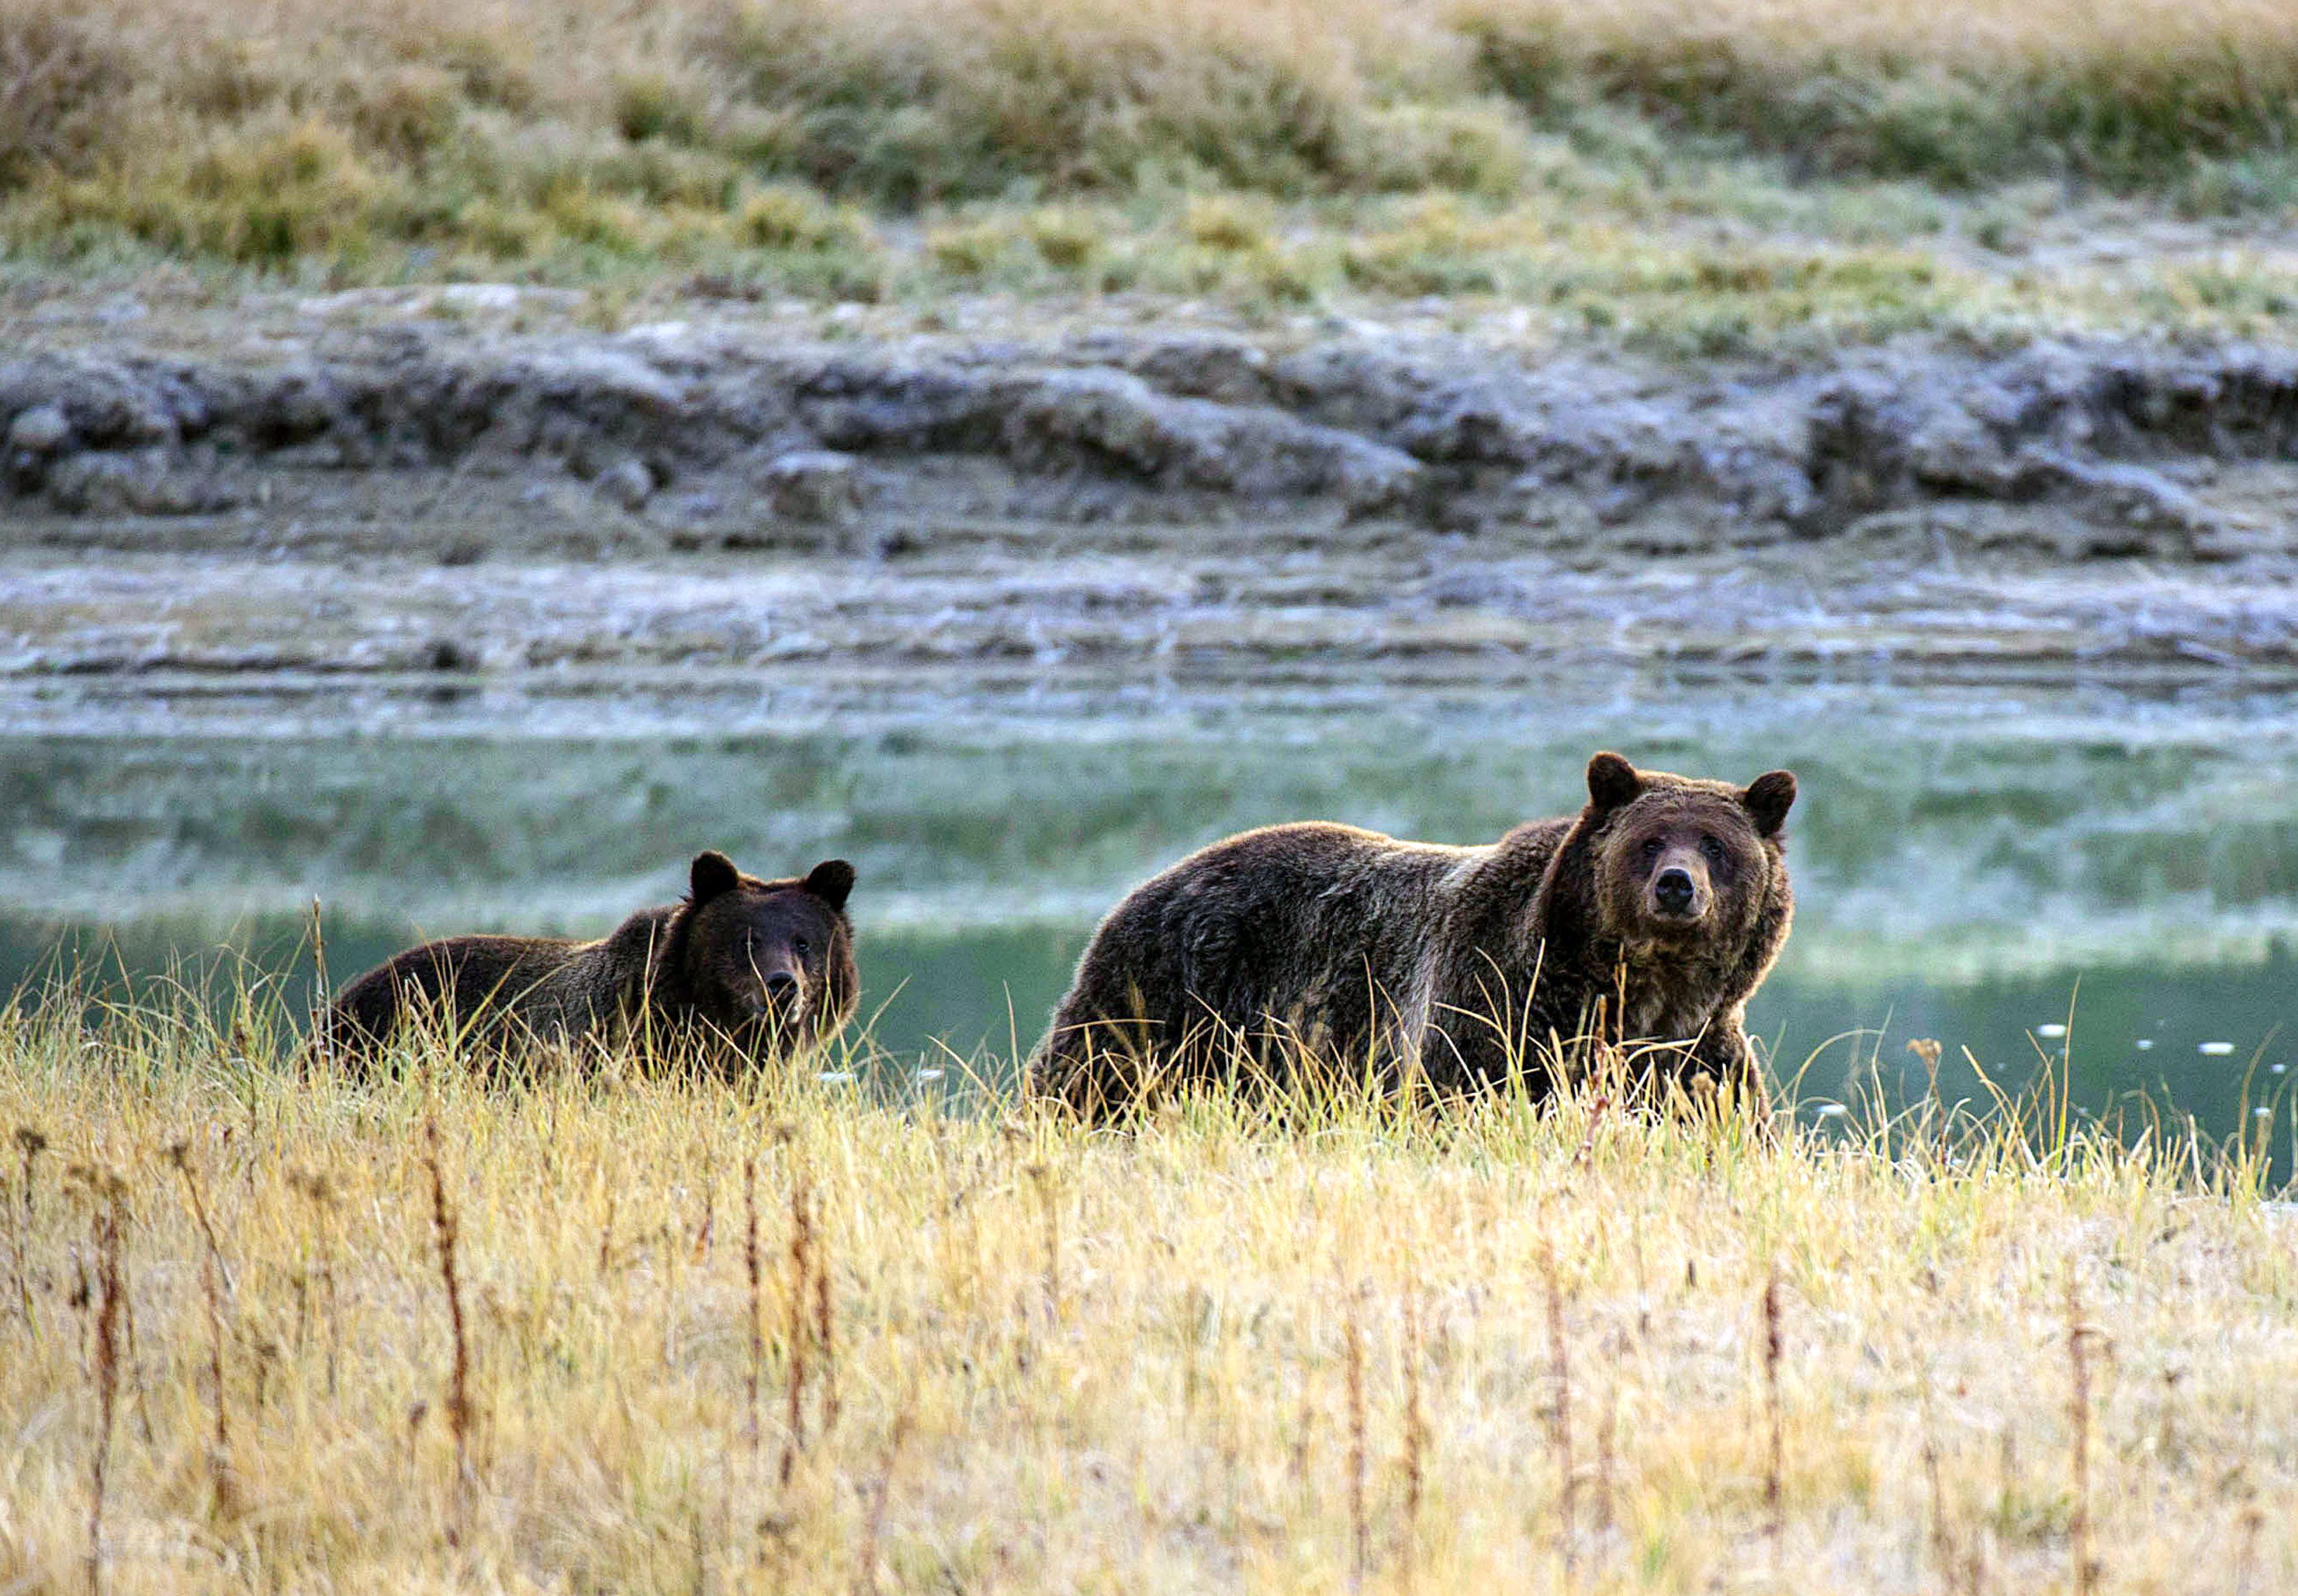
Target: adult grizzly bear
(1651, 916)
(750, 971)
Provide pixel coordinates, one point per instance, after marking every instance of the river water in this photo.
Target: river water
(1979, 863)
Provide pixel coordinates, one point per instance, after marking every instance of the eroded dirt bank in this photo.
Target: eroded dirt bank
(420, 491)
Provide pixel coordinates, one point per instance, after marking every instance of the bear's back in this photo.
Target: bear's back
(1261, 911)
(1306, 933)
(460, 982)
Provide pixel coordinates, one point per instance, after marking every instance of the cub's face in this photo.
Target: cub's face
(1685, 864)
(765, 960)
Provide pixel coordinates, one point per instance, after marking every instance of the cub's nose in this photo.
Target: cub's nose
(1672, 890)
(782, 989)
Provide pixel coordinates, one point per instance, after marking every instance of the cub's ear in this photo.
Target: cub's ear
(1768, 798)
(830, 881)
(713, 874)
(1612, 781)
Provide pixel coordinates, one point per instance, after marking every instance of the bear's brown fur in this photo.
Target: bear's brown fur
(1651, 917)
(744, 971)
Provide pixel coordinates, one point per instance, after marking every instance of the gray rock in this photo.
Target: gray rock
(628, 484)
(1954, 451)
(44, 429)
(852, 405)
(102, 485)
(2141, 511)
(147, 481)
(817, 485)
(1118, 421)
(97, 484)
(1205, 366)
(597, 375)
(294, 406)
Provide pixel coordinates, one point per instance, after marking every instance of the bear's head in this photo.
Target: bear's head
(1683, 865)
(769, 964)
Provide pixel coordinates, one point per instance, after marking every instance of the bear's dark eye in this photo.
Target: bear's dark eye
(800, 943)
(1651, 848)
(1712, 849)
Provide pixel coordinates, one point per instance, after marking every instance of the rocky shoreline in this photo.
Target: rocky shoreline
(418, 493)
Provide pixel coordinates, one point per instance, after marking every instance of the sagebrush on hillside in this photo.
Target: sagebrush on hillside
(632, 1334)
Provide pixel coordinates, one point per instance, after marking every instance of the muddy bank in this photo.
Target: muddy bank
(423, 494)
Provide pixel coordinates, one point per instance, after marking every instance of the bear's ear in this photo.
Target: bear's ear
(714, 873)
(1612, 781)
(830, 881)
(1768, 798)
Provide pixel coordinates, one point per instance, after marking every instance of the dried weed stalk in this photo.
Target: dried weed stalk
(1416, 1437)
(1774, 1448)
(212, 1282)
(1360, 1545)
(801, 1269)
(29, 1145)
(750, 1267)
(444, 1231)
(824, 1338)
(1041, 1179)
(2078, 1339)
(108, 1192)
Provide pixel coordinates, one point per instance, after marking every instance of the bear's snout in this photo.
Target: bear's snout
(1675, 891)
(1679, 893)
(780, 994)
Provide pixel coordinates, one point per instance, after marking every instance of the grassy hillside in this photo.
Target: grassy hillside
(1188, 145)
(639, 1336)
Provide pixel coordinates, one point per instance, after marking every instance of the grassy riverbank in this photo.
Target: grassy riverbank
(1856, 169)
(791, 1338)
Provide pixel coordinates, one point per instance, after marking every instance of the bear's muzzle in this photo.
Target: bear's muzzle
(1679, 896)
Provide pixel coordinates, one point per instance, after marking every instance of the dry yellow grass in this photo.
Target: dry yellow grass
(1355, 1349)
(429, 136)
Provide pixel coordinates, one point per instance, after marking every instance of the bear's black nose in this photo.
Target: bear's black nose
(781, 988)
(1674, 890)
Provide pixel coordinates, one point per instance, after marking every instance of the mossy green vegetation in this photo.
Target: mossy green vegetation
(1962, 95)
(888, 1329)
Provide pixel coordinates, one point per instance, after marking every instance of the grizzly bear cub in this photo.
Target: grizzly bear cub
(743, 971)
(1650, 917)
